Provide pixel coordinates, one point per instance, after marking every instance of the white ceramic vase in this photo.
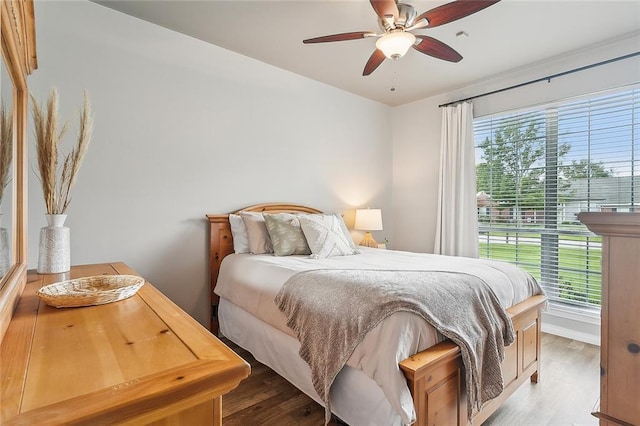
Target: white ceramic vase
(54, 255)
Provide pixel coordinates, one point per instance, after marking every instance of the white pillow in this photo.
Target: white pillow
(327, 235)
(259, 241)
(239, 234)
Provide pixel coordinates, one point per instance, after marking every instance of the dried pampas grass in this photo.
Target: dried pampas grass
(6, 147)
(57, 193)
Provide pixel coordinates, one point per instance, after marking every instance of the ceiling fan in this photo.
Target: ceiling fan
(397, 19)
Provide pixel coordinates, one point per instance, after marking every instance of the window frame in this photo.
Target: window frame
(550, 233)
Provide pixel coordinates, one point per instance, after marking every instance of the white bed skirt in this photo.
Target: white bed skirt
(355, 398)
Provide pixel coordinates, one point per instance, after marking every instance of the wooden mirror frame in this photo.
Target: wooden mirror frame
(17, 26)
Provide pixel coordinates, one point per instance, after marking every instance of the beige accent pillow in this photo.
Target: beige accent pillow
(286, 235)
(259, 241)
(327, 235)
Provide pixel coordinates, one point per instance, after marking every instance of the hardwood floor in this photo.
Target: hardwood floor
(567, 389)
(565, 394)
(265, 398)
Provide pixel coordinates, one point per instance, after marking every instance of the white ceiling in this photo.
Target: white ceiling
(507, 35)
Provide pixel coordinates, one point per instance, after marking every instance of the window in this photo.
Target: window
(538, 168)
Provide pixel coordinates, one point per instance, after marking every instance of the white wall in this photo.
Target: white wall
(416, 160)
(416, 127)
(184, 128)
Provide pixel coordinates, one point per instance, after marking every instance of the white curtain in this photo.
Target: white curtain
(457, 220)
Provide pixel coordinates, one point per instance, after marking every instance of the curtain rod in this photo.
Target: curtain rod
(547, 78)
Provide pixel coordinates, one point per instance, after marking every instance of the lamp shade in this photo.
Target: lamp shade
(368, 220)
(394, 45)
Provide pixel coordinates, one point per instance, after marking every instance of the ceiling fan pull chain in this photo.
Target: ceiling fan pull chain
(394, 69)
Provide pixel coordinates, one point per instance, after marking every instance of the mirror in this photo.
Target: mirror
(17, 26)
(6, 166)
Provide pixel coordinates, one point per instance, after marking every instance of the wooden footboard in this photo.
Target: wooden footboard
(436, 375)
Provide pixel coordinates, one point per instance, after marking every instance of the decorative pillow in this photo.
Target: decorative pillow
(327, 235)
(239, 234)
(286, 235)
(259, 241)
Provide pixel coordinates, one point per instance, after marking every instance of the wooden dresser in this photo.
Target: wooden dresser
(620, 329)
(137, 361)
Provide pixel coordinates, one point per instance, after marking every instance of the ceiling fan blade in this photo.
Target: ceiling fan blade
(340, 37)
(385, 8)
(374, 62)
(453, 11)
(418, 24)
(432, 47)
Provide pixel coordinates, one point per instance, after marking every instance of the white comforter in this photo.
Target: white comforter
(252, 282)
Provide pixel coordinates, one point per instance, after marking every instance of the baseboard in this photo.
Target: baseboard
(593, 339)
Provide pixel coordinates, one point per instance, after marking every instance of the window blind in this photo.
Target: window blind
(538, 168)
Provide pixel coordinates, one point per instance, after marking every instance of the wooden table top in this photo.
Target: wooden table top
(107, 363)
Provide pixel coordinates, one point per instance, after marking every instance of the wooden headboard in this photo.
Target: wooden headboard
(221, 243)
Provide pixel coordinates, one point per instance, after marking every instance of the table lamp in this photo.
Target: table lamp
(368, 220)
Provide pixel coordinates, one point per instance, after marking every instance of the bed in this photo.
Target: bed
(433, 371)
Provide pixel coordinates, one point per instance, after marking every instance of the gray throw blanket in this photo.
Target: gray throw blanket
(332, 310)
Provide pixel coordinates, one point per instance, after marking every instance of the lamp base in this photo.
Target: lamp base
(368, 241)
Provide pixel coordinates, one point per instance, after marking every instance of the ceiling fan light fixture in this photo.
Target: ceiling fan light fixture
(395, 44)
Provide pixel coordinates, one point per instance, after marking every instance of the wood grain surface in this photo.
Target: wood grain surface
(139, 360)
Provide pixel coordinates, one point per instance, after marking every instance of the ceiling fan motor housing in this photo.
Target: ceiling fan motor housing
(406, 15)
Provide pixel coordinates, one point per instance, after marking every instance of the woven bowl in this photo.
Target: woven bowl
(88, 291)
